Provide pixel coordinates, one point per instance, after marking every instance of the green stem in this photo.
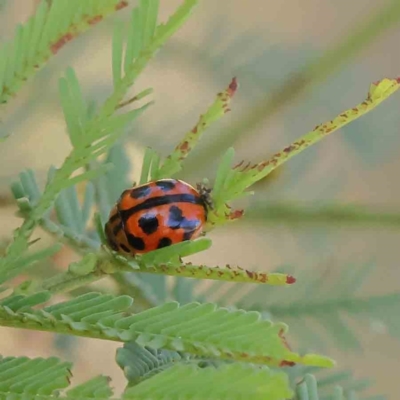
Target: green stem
(314, 214)
(302, 308)
(66, 281)
(334, 57)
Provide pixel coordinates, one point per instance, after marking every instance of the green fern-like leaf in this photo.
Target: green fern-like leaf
(141, 45)
(234, 381)
(310, 388)
(333, 301)
(91, 136)
(140, 363)
(22, 378)
(44, 34)
(197, 329)
(96, 388)
(20, 302)
(32, 376)
(220, 107)
(227, 273)
(312, 380)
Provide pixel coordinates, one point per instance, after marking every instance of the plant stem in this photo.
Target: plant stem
(65, 282)
(314, 214)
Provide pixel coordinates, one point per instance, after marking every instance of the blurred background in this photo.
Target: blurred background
(328, 212)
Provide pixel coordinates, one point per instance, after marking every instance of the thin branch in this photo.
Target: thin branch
(317, 214)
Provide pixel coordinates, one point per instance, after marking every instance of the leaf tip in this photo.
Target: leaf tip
(290, 279)
(233, 87)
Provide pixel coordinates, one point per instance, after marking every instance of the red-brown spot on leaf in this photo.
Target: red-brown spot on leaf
(184, 146)
(236, 214)
(284, 341)
(285, 363)
(289, 149)
(290, 279)
(239, 165)
(121, 4)
(61, 42)
(262, 165)
(95, 19)
(232, 87)
(250, 274)
(262, 277)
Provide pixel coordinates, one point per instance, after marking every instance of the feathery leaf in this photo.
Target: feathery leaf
(33, 376)
(91, 137)
(309, 388)
(96, 388)
(232, 381)
(140, 363)
(44, 34)
(332, 302)
(314, 381)
(239, 335)
(218, 109)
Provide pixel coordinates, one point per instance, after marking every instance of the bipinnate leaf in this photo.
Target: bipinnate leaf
(32, 376)
(44, 379)
(53, 25)
(93, 134)
(96, 388)
(231, 381)
(200, 329)
(139, 363)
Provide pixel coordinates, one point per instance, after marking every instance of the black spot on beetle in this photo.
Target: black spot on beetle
(165, 185)
(136, 242)
(124, 248)
(177, 221)
(148, 223)
(140, 192)
(175, 217)
(164, 242)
